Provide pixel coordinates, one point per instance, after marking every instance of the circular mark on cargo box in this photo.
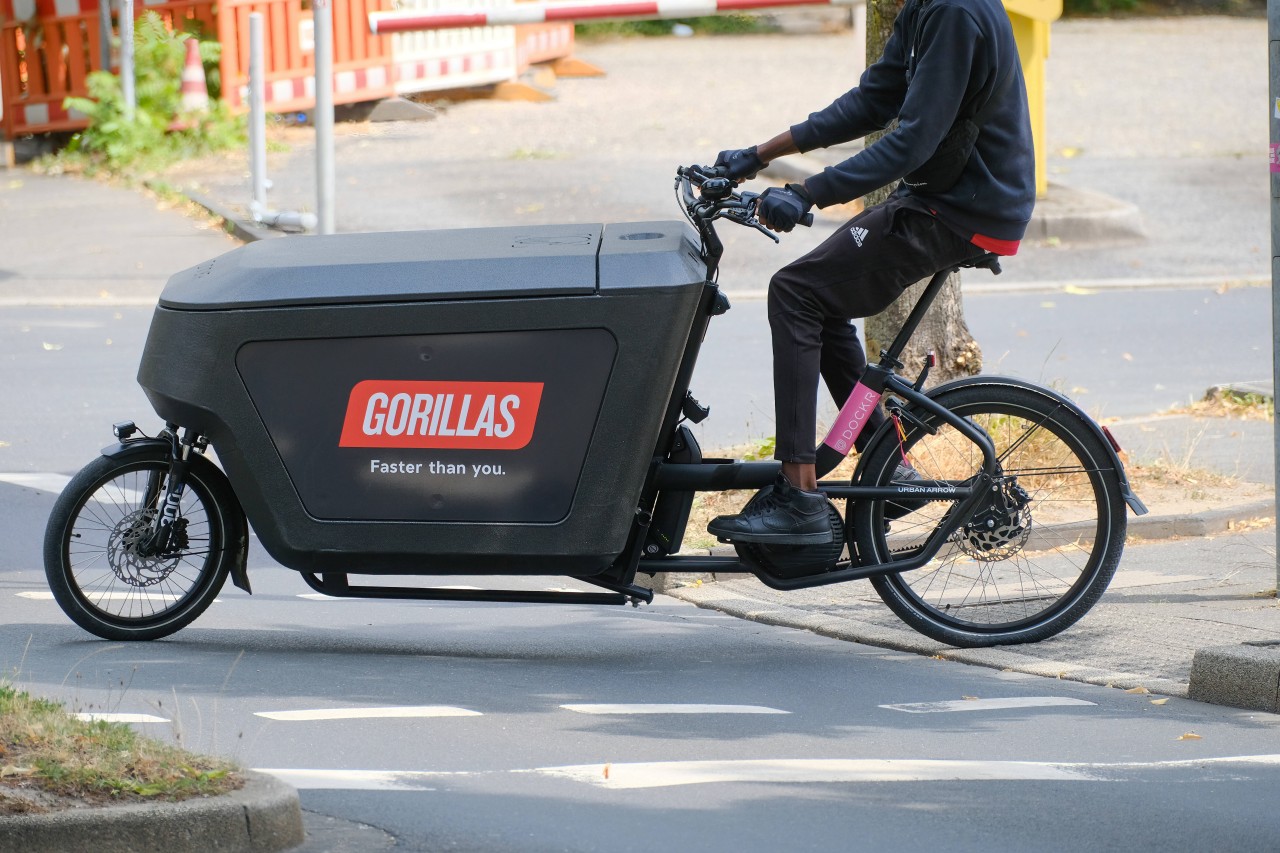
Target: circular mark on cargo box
(425, 354)
(436, 502)
(643, 235)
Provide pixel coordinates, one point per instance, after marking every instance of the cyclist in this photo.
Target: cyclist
(962, 146)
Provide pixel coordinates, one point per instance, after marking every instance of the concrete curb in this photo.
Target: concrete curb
(1066, 214)
(263, 816)
(1238, 676)
(243, 230)
(1243, 676)
(906, 640)
(1208, 523)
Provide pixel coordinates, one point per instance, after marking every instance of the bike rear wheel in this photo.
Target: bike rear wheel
(1035, 557)
(98, 570)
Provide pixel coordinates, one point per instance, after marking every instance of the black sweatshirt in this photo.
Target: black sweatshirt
(962, 50)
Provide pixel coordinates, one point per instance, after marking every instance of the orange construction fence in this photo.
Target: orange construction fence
(49, 47)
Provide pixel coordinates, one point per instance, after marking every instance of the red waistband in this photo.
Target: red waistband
(991, 244)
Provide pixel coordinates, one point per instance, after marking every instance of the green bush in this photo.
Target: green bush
(728, 24)
(150, 139)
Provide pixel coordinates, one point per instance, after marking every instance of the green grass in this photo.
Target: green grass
(45, 748)
(728, 24)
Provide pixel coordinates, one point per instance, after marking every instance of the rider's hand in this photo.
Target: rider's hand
(780, 208)
(742, 163)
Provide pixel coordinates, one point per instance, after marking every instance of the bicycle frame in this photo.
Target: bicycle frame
(715, 475)
(720, 475)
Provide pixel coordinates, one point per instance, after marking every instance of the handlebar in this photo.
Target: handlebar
(706, 194)
(720, 199)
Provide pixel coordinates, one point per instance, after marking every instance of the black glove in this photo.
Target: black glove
(743, 163)
(781, 208)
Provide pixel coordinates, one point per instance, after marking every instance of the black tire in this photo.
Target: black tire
(1034, 559)
(102, 583)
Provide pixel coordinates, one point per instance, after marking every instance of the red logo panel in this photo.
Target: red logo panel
(444, 415)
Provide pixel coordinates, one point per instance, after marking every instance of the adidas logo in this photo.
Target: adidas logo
(859, 234)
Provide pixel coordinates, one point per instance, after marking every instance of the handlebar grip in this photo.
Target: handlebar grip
(806, 220)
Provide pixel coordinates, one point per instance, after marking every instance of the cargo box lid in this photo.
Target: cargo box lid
(398, 266)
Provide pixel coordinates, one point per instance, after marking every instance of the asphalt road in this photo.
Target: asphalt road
(533, 727)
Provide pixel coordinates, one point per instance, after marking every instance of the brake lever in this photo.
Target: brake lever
(743, 217)
(755, 223)
(751, 202)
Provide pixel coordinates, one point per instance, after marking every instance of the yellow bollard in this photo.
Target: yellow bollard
(1031, 19)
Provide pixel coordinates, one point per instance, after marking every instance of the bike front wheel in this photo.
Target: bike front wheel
(98, 567)
(1036, 555)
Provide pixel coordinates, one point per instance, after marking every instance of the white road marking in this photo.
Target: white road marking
(111, 717)
(357, 780)
(672, 709)
(43, 482)
(78, 301)
(659, 774)
(368, 713)
(55, 483)
(99, 597)
(987, 704)
(663, 774)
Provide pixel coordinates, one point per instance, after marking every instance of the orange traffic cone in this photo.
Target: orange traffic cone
(195, 92)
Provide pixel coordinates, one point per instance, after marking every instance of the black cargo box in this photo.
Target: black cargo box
(483, 400)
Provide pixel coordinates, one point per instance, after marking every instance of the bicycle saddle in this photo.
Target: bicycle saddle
(990, 261)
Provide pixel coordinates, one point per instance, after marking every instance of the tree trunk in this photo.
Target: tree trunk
(944, 330)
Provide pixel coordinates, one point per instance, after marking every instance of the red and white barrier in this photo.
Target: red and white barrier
(539, 13)
(425, 60)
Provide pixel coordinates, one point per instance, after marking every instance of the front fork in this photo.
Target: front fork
(158, 541)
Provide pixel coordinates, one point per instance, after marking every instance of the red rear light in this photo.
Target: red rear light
(1115, 445)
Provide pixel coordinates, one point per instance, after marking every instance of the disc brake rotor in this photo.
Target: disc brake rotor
(124, 547)
(999, 530)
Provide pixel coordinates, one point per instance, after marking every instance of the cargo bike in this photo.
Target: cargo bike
(515, 401)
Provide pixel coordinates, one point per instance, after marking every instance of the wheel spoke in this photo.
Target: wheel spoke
(1042, 542)
(111, 579)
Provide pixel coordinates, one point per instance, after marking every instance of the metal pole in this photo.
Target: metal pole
(257, 118)
(104, 34)
(126, 59)
(324, 114)
(1273, 29)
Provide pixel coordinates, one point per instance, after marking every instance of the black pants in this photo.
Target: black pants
(857, 272)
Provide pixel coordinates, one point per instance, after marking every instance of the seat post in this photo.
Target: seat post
(894, 352)
(989, 261)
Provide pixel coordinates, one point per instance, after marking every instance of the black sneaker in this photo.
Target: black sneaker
(779, 515)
